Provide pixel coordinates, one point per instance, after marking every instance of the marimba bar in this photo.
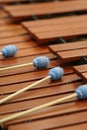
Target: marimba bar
(81, 71)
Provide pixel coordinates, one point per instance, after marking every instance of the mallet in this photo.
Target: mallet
(39, 62)
(54, 74)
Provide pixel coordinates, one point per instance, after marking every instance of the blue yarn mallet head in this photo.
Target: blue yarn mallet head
(9, 51)
(41, 62)
(81, 92)
(56, 73)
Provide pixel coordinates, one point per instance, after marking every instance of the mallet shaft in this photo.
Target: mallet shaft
(0, 53)
(16, 66)
(23, 90)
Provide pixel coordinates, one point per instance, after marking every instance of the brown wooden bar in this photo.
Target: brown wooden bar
(81, 71)
(24, 11)
(70, 51)
(46, 30)
(68, 46)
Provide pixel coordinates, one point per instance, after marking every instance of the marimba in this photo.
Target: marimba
(58, 30)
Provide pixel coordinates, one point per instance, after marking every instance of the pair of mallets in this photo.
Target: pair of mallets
(80, 93)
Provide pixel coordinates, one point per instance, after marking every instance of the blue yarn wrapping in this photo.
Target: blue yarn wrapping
(56, 73)
(41, 62)
(9, 51)
(81, 92)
